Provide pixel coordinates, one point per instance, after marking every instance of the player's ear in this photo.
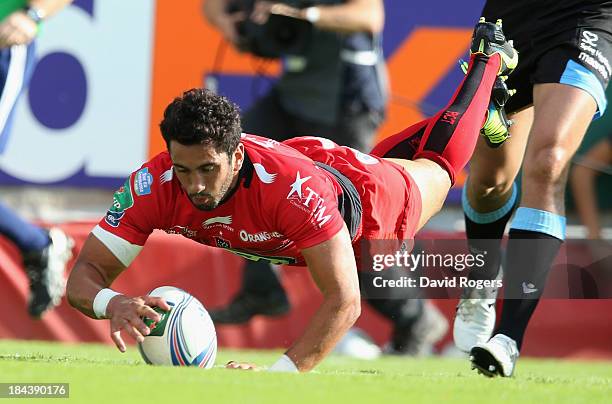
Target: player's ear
(238, 158)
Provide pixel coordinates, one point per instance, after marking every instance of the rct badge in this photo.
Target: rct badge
(142, 182)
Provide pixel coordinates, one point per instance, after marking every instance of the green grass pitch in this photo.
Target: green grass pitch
(100, 374)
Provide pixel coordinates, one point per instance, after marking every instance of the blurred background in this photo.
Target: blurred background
(89, 117)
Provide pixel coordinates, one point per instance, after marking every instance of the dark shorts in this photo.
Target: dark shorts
(550, 52)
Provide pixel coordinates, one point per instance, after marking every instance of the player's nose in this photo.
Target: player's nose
(195, 184)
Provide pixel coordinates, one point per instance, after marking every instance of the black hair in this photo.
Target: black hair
(200, 116)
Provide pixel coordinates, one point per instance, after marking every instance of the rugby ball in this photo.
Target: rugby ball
(185, 335)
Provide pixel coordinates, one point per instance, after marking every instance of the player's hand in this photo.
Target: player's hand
(241, 366)
(283, 9)
(125, 314)
(17, 29)
(263, 9)
(226, 23)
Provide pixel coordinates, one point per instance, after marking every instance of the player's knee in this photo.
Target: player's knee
(490, 185)
(547, 165)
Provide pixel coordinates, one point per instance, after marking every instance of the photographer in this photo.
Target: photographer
(333, 83)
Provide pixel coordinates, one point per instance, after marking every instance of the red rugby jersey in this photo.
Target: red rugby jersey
(283, 203)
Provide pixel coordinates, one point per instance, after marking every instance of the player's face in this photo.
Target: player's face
(204, 173)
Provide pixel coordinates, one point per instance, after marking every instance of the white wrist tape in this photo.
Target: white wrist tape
(101, 301)
(284, 364)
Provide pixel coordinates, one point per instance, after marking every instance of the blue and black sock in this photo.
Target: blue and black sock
(535, 239)
(484, 233)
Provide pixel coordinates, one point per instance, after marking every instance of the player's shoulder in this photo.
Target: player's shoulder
(151, 178)
(281, 173)
(274, 161)
(159, 164)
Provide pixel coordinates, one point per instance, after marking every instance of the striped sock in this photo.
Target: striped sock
(535, 239)
(484, 233)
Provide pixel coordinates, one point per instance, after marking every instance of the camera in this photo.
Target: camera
(279, 36)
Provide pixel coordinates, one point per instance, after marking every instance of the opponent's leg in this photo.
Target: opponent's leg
(562, 115)
(489, 198)
(45, 253)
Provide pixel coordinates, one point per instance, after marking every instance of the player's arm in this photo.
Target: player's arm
(95, 270)
(350, 16)
(332, 265)
(217, 15)
(49, 7)
(21, 27)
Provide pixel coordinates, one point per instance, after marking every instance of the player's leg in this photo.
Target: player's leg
(13, 77)
(489, 195)
(562, 113)
(447, 140)
(489, 198)
(45, 253)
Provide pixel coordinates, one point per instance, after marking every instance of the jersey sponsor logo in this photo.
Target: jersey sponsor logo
(263, 175)
(259, 237)
(216, 222)
(218, 219)
(142, 182)
(296, 187)
(122, 200)
(309, 201)
(590, 38)
(222, 243)
(166, 176)
(256, 257)
(113, 218)
(601, 65)
(183, 231)
(593, 56)
(529, 288)
(449, 117)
